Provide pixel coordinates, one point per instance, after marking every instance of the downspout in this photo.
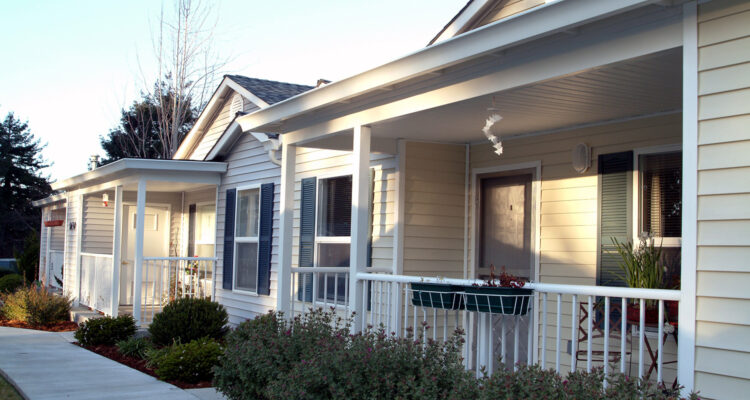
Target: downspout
(272, 156)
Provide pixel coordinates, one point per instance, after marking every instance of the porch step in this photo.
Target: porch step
(83, 314)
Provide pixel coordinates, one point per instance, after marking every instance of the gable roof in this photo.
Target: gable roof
(260, 92)
(269, 91)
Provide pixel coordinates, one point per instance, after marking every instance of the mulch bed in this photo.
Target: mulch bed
(65, 326)
(112, 353)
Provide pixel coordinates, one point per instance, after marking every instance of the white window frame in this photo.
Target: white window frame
(637, 212)
(327, 239)
(213, 237)
(245, 239)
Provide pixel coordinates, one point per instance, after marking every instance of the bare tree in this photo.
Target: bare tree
(187, 68)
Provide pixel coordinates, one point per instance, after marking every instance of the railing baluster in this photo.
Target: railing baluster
(491, 342)
(295, 276)
(434, 323)
(445, 325)
(573, 333)
(380, 304)
(606, 339)
(544, 331)
(406, 309)
(623, 332)
(325, 290)
(659, 339)
(590, 310)
(335, 290)
(389, 318)
(558, 333)
(515, 342)
(641, 337)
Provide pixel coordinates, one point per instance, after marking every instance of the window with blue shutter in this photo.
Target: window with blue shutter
(614, 219)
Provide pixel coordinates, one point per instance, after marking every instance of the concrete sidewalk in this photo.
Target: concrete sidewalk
(45, 365)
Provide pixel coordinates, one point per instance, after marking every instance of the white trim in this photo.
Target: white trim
(286, 228)
(246, 239)
(216, 245)
(117, 251)
(140, 167)
(246, 93)
(635, 206)
(50, 200)
(536, 204)
(399, 211)
(77, 255)
(687, 331)
(460, 21)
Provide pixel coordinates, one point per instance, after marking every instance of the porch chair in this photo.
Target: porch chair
(597, 332)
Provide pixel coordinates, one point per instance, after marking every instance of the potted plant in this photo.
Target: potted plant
(437, 295)
(643, 267)
(501, 294)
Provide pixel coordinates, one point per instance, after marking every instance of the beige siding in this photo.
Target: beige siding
(434, 209)
(216, 128)
(506, 8)
(723, 322)
(248, 164)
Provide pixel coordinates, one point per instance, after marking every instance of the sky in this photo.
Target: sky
(69, 67)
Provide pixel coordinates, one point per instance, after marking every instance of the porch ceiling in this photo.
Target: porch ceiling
(632, 88)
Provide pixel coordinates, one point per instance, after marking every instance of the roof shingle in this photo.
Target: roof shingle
(269, 91)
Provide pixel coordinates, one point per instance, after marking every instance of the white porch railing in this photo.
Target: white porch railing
(95, 283)
(167, 278)
(564, 327)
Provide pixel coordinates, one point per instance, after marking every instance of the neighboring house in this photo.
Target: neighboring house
(618, 117)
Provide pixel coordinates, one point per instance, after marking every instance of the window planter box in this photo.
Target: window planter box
(437, 295)
(498, 300)
(53, 222)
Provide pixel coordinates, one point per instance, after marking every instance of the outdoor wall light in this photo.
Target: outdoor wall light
(581, 158)
(105, 200)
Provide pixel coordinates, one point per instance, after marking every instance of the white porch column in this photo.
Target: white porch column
(360, 220)
(286, 219)
(48, 238)
(138, 271)
(116, 255)
(688, 277)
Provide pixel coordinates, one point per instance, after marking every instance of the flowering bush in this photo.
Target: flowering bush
(314, 356)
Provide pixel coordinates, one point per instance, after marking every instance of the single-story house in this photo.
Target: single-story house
(527, 134)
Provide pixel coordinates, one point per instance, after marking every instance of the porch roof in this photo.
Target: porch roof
(130, 170)
(433, 61)
(56, 198)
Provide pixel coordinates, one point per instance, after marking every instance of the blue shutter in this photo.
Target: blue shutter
(191, 230)
(228, 265)
(265, 239)
(307, 237)
(614, 170)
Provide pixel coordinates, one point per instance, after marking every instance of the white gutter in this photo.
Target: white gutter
(58, 198)
(540, 21)
(142, 164)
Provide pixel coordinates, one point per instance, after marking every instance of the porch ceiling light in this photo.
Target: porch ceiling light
(487, 130)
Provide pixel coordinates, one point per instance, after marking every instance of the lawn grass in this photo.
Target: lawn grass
(7, 391)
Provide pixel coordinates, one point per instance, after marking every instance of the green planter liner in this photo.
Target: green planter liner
(497, 300)
(437, 295)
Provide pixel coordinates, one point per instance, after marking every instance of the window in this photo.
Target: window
(202, 221)
(333, 236)
(660, 204)
(246, 240)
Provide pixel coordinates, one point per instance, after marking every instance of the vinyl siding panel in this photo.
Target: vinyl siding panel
(248, 165)
(217, 126)
(723, 192)
(98, 224)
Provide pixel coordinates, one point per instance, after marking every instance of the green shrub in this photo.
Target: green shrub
(314, 356)
(190, 362)
(105, 330)
(135, 347)
(9, 283)
(188, 319)
(36, 306)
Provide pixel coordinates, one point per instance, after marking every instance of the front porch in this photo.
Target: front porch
(578, 158)
(125, 264)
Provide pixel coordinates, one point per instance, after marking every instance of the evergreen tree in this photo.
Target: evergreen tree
(139, 134)
(21, 181)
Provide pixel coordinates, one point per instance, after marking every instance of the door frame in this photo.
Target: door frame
(535, 167)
